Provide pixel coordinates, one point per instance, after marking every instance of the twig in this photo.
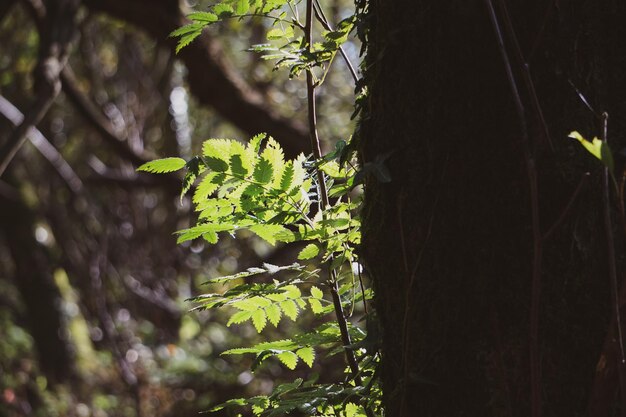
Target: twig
(525, 69)
(324, 201)
(568, 206)
(608, 227)
(321, 17)
(92, 114)
(582, 98)
(56, 34)
(43, 145)
(18, 136)
(535, 367)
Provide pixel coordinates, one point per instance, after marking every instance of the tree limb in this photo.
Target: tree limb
(56, 34)
(211, 79)
(43, 145)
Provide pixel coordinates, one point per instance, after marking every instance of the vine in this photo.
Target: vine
(307, 199)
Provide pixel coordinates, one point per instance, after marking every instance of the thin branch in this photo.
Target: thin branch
(582, 98)
(568, 206)
(43, 145)
(92, 114)
(211, 78)
(608, 228)
(321, 17)
(56, 32)
(535, 365)
(525, 69)
(18, 136)
(324, 201)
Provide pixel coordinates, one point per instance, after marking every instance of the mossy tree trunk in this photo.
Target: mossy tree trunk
(449, 241)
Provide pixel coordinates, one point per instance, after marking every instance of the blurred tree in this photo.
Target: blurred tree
(487, 250)
(88, 264)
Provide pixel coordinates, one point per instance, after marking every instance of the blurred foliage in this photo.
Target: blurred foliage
(105, 232)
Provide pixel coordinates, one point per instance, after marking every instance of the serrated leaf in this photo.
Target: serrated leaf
(274, 314)
(267, 232)
(239, 317)
(263, 171)
(292, 291)
(290, 308)
(310, 251)
(317, 293)
(223, 10)
(287, 177)
(280, 33)
(249, 272)
(307, 354)
(197, 231)
(160, 166)
(259, 404)
(242, 7)
(316, 306)
(186, 30)
(193, 170)
(254, 145)
(207, 186)
(259, 320)
(289, 359)
(216, 164)
(236, 166)
(229, 403)
(203, 17)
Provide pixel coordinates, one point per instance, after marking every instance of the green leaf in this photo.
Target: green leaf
(310, 251)
(236, 166)
(216, 164)
(274, 314)
(268, 232)
(259, 320)
(193, 170)
(186, 30)
(287, 177)
(280, 33)
(317, 293)
(316, 306)
(199, 230)
(209, 184)
(307, 354)
(203, 17)
(160, 166)
(263, 171)
(239, 317)
(229, 403)
(290, 308)
(242, 7)
(289, 359)
(598, 148)
(223, 10)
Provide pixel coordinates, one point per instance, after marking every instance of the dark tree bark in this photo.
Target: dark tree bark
(39, 293)
(449, 241)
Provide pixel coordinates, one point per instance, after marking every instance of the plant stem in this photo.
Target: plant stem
(608, 226)
(324, 201)
(531, 169)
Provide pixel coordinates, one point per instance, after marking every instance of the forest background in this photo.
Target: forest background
(93, 285)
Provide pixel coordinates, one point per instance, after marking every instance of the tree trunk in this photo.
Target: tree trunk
(449, 242)
(41, 296)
